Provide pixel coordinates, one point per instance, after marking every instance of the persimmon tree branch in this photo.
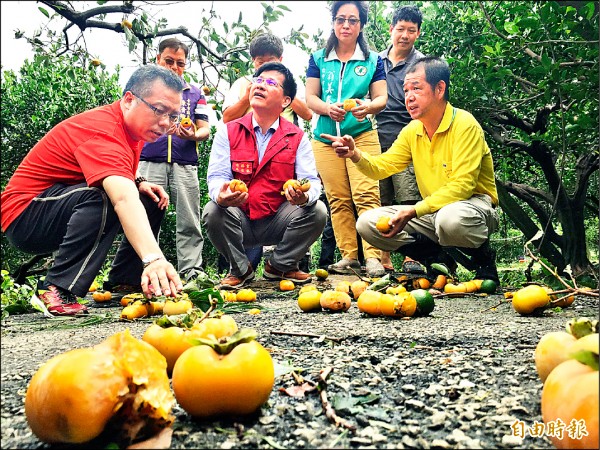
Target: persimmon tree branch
(528, 51)
(84, 21)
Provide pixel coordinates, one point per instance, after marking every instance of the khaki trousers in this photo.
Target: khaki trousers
(466, 224)
(347, 190)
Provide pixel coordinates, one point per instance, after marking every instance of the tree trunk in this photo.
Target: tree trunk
(521, 219)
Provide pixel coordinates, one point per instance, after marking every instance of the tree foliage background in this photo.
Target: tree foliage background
(528, 71)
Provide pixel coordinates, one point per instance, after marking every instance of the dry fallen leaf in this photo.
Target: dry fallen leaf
(298, 391)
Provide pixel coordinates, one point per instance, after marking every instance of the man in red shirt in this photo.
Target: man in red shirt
(77, 188)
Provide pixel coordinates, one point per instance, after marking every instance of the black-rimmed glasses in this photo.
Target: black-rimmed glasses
(157, 111)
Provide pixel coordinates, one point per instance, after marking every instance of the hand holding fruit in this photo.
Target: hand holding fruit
(336, 111)
(295, 191)
(361, 110)
(233, 193)
(186, 129)
(397, 223)
(186, 122)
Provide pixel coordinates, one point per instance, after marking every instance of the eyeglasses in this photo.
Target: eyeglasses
(157, 111)
(341, 20)
(270, 81)
(171, 61)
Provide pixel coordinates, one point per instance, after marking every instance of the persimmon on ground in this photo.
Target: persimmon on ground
(74, 395)
(231, 376)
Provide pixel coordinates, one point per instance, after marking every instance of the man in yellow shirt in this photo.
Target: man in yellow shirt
(454, 171)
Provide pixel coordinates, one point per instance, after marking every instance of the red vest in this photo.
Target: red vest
(265, 180)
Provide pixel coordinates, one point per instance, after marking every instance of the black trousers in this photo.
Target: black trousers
(79, 224)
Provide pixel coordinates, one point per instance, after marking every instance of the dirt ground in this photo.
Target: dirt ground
(462, 377)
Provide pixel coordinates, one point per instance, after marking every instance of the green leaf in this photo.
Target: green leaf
(202, 299)
(441, 268)
(44, 12)
(511, 27)
(588, 10)
(343, 402)
(367, 399)
(586, 357)
(271, 442)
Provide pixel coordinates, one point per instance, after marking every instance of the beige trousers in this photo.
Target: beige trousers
(348, 189)
(467, 223)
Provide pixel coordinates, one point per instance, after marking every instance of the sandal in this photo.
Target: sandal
(388, 267)
(411, 266)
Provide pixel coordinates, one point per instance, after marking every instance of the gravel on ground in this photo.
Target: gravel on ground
(461, 377)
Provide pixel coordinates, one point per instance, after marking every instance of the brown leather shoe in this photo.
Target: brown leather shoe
(297, 276)
(233, 282)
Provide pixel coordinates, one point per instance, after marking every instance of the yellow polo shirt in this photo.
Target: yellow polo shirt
(453, 166)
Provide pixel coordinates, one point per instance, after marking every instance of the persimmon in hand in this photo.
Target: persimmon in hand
(349, 103)
(302, 185)
(383, 224)
(237, 186)
(186, 122)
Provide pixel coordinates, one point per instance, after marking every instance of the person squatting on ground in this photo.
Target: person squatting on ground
(405, 28)
(455, 175)
(264, 48)
(172, 161)
(77, 188)
(263, 150)
(346, 69)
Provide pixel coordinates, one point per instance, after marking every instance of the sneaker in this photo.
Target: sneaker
(345, 266)
(233, 281)
(297, 276)
(61, 302)
(374, 268)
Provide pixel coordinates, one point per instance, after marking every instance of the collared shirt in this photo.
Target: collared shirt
(455, 164)
(219, 164)
(394, 116)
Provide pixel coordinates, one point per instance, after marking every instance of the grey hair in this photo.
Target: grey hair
(142, 80)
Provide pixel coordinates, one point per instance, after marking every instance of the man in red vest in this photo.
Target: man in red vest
(264, 151)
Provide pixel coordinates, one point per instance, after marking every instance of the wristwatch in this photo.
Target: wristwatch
(150, 258)
(139, 180)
